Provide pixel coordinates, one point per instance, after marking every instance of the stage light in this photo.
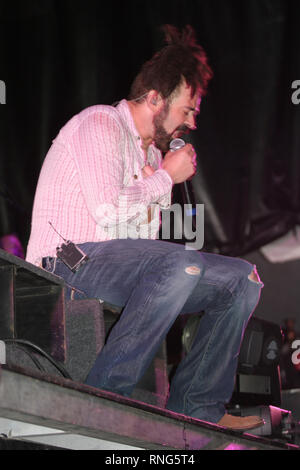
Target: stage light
(261, 345)
(279, 423)
(258, 375)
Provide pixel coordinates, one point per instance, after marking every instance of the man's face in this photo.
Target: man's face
(176, 118)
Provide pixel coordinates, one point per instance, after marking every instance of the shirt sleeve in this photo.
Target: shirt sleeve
(98, 147)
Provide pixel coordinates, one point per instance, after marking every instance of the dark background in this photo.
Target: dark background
(60, 56)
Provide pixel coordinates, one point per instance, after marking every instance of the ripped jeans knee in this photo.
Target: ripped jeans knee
(254, 276)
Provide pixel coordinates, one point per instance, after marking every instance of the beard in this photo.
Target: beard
(161, 137)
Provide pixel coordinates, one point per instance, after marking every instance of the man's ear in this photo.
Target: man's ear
(154, 101)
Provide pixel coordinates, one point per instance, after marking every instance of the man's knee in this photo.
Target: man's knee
(192, 270)
(184, 263)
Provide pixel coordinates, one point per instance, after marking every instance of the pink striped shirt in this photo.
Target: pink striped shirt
(91, 186)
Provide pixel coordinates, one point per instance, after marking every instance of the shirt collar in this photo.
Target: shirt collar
(125, 113)
(123, 109)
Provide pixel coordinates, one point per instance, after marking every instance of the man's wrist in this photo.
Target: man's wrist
(168, 175)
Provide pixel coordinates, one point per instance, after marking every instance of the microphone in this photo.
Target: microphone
(177, 144)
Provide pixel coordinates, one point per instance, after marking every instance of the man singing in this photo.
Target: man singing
(102, 185)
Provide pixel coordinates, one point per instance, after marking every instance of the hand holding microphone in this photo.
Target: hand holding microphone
(180, 161)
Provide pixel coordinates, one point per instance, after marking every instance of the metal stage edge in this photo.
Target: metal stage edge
(65, 414)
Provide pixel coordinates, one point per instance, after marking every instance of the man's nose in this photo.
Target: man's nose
(190, 122)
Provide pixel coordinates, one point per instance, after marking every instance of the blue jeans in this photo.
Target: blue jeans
(156, 281)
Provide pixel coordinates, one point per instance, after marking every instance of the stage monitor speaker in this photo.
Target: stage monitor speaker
(85, 336)
(32, 305)
(258, 375)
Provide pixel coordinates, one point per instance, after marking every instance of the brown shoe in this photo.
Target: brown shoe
(238, 423)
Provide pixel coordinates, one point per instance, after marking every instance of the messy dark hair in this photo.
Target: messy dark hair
(182, 58)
